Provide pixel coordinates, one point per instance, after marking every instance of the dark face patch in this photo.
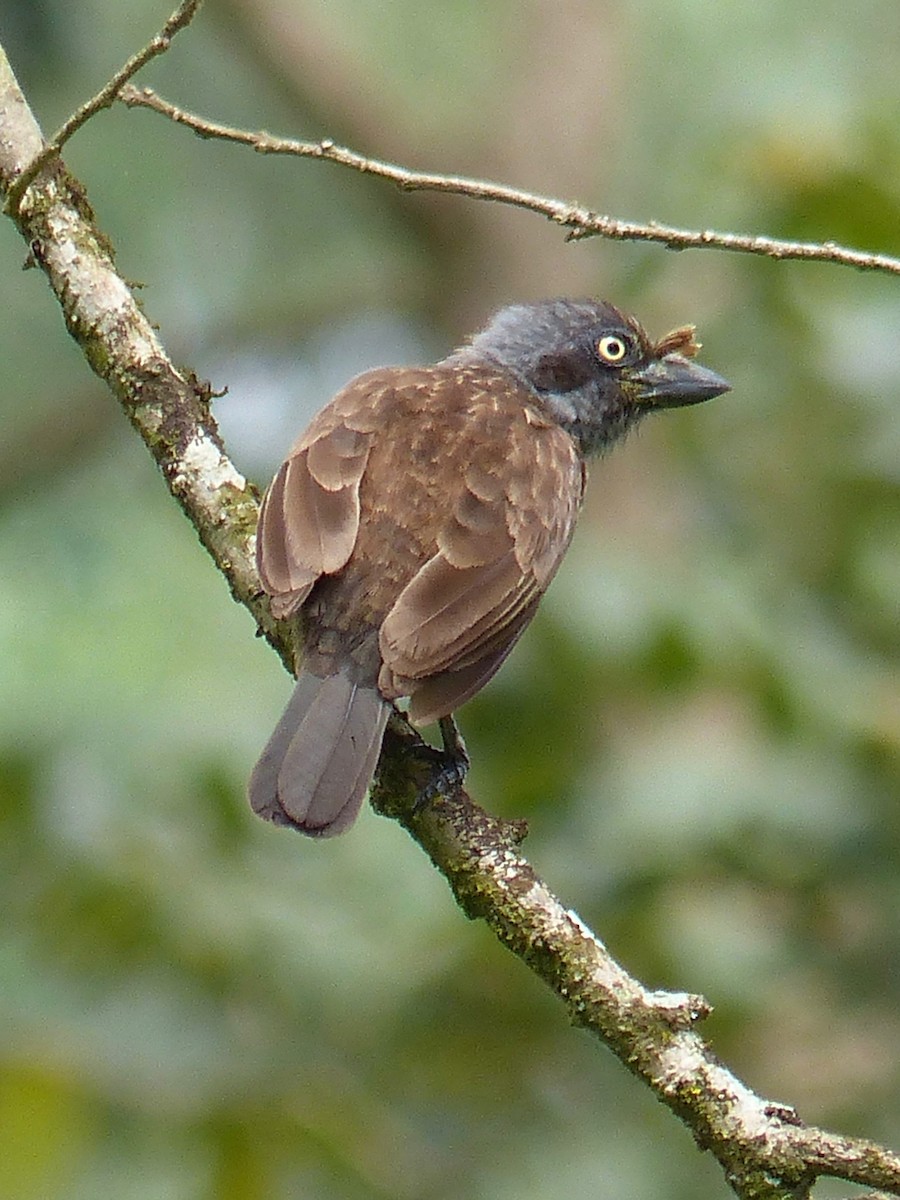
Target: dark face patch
(560, 372)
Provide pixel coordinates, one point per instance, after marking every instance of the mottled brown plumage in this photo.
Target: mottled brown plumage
(417, 522)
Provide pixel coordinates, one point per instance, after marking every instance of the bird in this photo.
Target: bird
(415, 525)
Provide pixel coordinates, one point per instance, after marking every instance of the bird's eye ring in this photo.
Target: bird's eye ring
(612, 348)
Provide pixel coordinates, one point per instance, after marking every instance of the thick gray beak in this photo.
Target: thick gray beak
(673, 381)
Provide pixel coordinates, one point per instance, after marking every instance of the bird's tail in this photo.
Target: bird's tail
(314, 772)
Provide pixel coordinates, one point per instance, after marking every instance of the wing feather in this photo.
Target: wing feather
(309, 519)
(505, 534)
(443, 613)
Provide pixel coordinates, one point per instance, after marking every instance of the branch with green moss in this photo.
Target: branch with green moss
(764, 1148)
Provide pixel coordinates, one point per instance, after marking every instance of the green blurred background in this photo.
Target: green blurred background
(702, 726)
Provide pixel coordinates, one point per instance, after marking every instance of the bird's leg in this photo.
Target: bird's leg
(454, 747)
(450, 764)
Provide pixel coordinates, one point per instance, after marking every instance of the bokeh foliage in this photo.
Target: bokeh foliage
(702, 726)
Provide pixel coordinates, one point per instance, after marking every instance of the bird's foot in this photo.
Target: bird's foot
(449, 765)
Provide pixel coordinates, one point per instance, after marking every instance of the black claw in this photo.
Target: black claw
(448, 775)
(449, 766)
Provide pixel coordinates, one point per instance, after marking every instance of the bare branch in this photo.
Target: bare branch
(765, 1150)
(581, 222)
(180, 19)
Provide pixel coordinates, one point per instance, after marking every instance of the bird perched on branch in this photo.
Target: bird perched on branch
(415, 525)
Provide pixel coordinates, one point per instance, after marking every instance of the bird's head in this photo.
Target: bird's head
(593, 368)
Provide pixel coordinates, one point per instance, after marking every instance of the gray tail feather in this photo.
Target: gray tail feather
(315, 770)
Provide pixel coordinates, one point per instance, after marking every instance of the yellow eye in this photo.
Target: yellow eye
(612, 349)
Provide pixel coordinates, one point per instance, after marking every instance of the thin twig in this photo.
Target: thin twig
(105, 98)
(581, 222)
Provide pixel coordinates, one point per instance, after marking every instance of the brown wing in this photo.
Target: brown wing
(507, 529)
(309, 519)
